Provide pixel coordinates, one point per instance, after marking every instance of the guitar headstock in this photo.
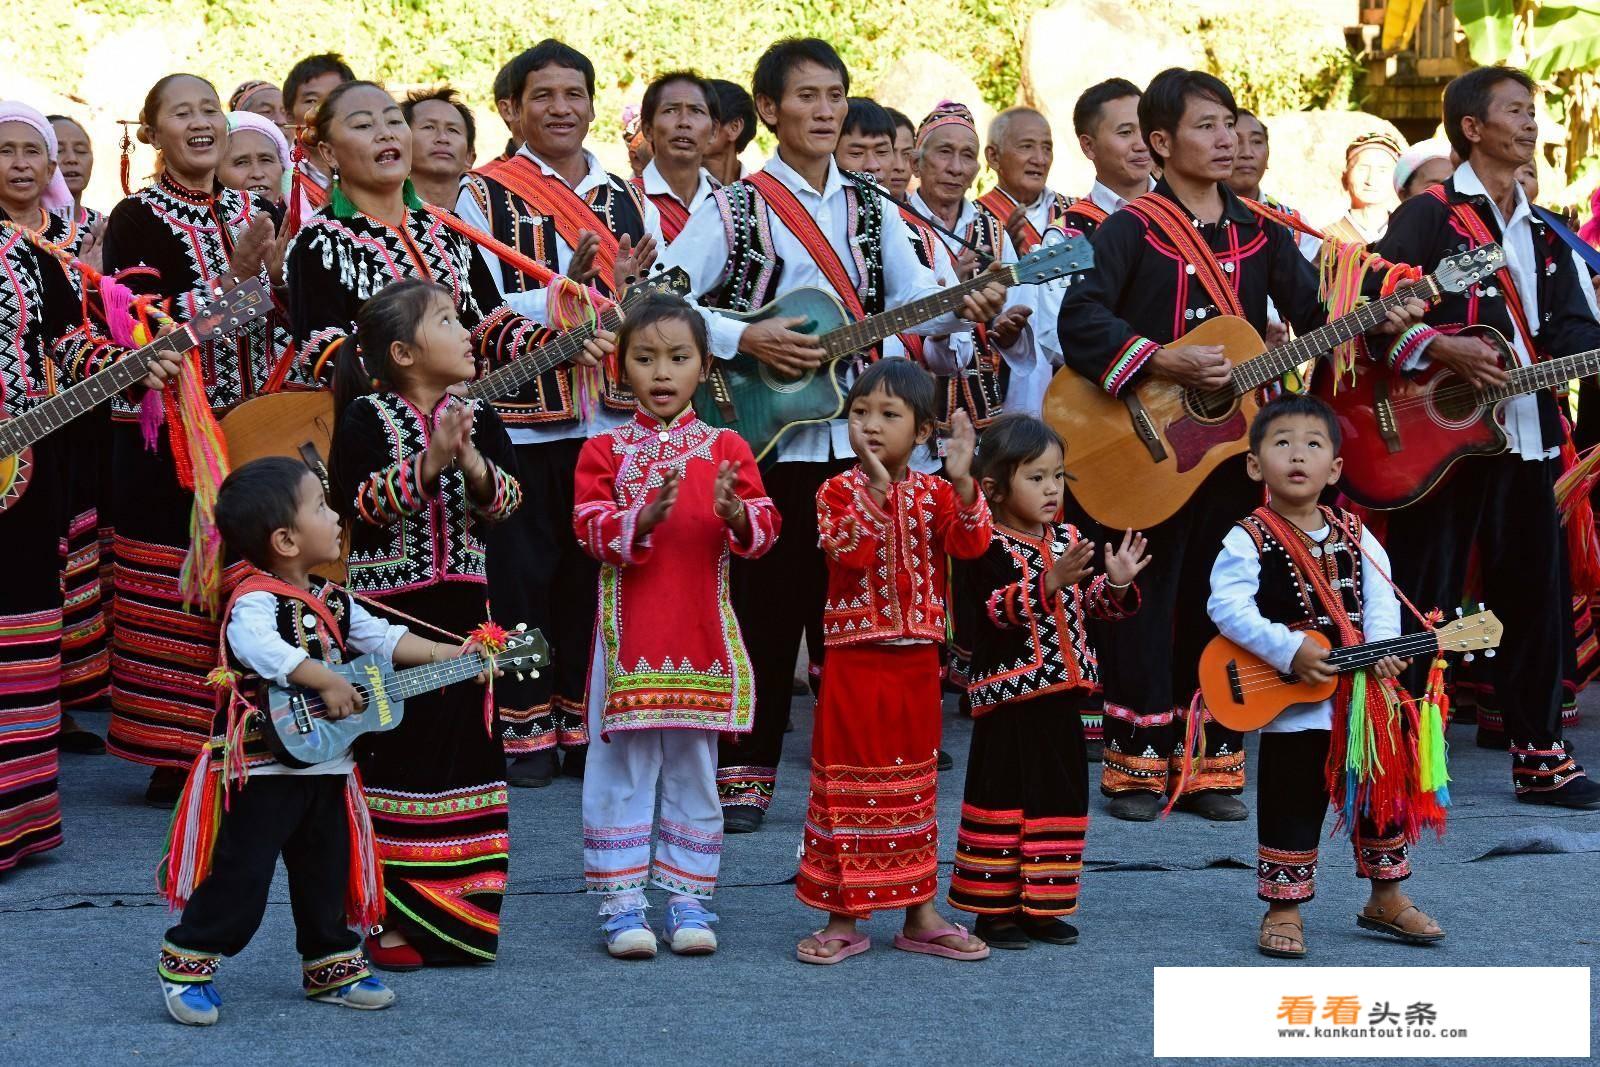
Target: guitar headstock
(1455, 273)
(525, 653)
(1056, 259)
(231, 309)
(1477, 632)
(674, 280)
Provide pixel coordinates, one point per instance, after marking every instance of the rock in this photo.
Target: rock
(920, 79)
(1308, 159)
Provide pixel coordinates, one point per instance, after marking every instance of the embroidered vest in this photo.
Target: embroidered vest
(980, 389)
(1285, 594)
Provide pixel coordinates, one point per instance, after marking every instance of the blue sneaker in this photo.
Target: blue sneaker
(192, 1003)
(369, 994)
(689, 928)
(629, 937)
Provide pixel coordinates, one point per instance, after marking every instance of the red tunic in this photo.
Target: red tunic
(673, 655)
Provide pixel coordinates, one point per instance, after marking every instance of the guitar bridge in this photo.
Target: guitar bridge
(1235, 687)
(1144, 427)
(722, 397)
(1383, 412)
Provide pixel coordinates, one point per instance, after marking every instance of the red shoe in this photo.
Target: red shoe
(400, 957)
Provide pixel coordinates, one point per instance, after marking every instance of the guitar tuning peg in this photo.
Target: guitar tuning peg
(521, 627)
(521, 677)
(533, 674)
(1480, 605)
(1459, 613)
(1488, 653)
(1468, 658)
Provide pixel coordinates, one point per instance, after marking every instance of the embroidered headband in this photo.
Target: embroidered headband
(1378, 139)
(240, 100)
(56, 194)
(945, 113)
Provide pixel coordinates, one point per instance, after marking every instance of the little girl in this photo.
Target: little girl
(419, 476)
(1019, 850)
(661, 501)
(871, 834)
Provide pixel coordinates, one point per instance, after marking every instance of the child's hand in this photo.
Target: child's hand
(1124, 564)
(474, 647)
(1075, 564)
(341, 699)
(871, 465)
(1310, 664)
(444, 447)
(958, 450)
(1390, 667)
(655, 513)
(725, 495)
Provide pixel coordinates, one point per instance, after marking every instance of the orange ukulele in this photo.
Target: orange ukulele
(1244, 693)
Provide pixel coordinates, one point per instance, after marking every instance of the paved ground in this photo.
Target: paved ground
(79, 928)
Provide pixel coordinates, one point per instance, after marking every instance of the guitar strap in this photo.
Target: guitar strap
(1284, 218)
(261, 582)
(1000, 205)
(674, 216)
(569, 211)
(1310, 568)
(1086, 209)
(799, 222)
(1480, 234)
(1180, 232)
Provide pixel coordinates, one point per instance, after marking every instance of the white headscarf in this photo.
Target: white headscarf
(57, 197)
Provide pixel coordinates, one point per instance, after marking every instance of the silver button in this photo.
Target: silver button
(1491, 291)
(1188, 313)
(309, 620)
(1317, 551)
(1228, 267)
(1188, 268)
(664, 436)
(1200, 314)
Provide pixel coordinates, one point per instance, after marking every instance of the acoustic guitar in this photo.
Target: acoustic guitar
(299, 733)
(1403, 433)
(228, 312)
(1139, 457)
(762, 404)
(1244, 692)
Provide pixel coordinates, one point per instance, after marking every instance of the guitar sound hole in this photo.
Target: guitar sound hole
(1454, 399)
(1209, 405)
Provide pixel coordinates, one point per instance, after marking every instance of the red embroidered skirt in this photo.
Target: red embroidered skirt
(872, 831)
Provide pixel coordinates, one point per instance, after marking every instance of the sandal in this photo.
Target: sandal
(927, 943)
(854, 945)
(1272, 929)
(1378, 922)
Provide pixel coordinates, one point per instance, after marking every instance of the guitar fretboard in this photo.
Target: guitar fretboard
(414, 681)
(1274, 364)
(1406, 646)
(46, 418)
(1545, 375)
(864, 333)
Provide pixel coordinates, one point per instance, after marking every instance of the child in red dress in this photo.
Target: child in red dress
(871, 834)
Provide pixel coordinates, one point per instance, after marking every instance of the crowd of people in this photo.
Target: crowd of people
(522, 357)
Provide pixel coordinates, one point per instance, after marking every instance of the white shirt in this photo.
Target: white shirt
(1109, 201)
(254, 639)
(1235, 580)
(533, 303)
(656, 185)
(702, 251)
(1519, 416)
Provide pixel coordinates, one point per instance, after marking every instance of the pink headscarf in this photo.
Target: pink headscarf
(57, 197)
(249, 120)
(1590, 231)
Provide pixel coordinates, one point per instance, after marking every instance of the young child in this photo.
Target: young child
(282, 626)
(661, 501)
(1019, 851)
(1293, 566)
(871, 835)
(420, 476)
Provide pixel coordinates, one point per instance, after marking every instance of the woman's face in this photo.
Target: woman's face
(1370, 178)
(75, 155)
(252, 164)
(190, 130)
(368, 140)
(25, 167)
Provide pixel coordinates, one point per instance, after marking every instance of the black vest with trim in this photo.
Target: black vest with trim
(1286, 595)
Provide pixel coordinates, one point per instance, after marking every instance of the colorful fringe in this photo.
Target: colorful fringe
(1344, 270)
(570, 306)
(201, 454)
(1573, 501)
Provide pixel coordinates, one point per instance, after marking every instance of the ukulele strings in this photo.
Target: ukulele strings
(315, 704)
(1267, 677)
(1410, 645)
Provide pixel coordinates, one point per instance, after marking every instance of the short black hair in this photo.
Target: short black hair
(900, 378)
(1469, 95)
(661, 307)
(1086, 112)
(1008, 443)
(513, 77)
(865, 117)
(1245, 113)
(444, 94)
(652, 94)
(257, 500)
(313, 67)
(1285, 405)
(901, 119)
(734, 103)
(1164, 102)
(772, 69)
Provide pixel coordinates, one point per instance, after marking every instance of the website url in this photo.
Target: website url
(1387, 1032)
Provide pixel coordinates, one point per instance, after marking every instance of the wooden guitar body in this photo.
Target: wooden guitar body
(1402, 433)
(1138, 458)
(294, 424)
(746, 395)
(1244, 694)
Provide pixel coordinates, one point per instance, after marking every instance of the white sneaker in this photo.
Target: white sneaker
(689, 928)
(191, 1003)
(629, 937)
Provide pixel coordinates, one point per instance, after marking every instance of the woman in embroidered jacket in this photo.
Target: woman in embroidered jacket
(661, 502)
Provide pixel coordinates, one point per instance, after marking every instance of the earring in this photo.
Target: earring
(336, 172)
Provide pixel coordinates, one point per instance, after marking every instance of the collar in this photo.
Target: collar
(1107, 200)
(1031, 206)
(797, 185)
(1468, 184)
(170, 185)
(1233, 209)
(341, 207)
(964, 217)
(595, 177)
(682, 421)
(656, 185)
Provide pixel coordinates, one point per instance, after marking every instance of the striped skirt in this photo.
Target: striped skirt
(86, 580)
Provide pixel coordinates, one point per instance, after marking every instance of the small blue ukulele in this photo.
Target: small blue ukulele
(300, 735)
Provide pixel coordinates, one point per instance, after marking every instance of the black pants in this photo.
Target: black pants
(1148, 663)
(1291, 802)
(1505, 507)
(303, 818)
(539, 575)
(777, 598)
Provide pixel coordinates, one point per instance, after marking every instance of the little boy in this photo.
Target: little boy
(1292, 566)
(281, 626)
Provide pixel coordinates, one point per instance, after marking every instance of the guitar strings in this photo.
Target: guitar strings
(1405, 645)
(1258, 683)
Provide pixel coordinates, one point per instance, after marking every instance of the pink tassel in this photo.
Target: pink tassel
(1194, 742)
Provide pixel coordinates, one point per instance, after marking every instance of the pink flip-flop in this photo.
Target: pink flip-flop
(854, 945)
(928, 944)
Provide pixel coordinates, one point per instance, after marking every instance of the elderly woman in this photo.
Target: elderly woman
(1421, 167)
(1369, 163)
(257, 157)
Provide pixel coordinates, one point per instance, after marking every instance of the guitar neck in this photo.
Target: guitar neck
(519, 372)
(864, 333)
(414, 681)
(1272, 365)
(44, 419)
(1407, 646)
(1545, 375)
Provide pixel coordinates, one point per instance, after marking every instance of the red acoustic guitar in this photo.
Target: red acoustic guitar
(1403, 433)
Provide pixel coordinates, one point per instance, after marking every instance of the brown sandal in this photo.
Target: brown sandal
(1269, 930)
(1380, 923)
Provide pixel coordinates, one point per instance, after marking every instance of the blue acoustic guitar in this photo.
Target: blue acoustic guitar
(299, 733)
(746, 395)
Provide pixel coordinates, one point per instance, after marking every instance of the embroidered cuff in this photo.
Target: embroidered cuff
(507, 496)
(760, 510)
(1406, 346)
(1128, 362)
(1103, 602)
(393, 492)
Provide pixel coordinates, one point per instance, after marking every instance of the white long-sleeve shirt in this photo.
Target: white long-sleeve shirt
(702, 251)
(1235, 581)
(255, 642)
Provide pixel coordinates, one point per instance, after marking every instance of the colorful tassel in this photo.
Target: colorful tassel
(201, 454)
(1194, 743)
(492, 639)
(1573, 488)
(363, 907)
(569, 306)
(192, 833)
